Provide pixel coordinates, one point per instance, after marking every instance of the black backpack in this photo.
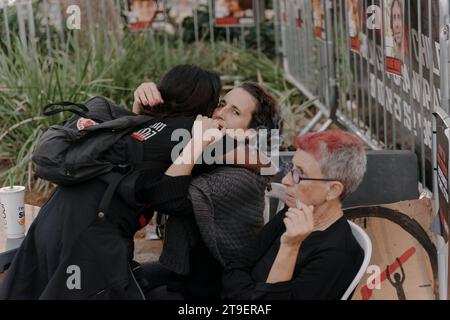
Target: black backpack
(74, 152)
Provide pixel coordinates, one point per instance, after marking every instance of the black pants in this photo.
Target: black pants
(158, 279)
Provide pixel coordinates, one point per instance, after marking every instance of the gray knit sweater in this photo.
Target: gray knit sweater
(228, 205)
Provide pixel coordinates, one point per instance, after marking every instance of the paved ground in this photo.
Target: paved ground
(145, 250)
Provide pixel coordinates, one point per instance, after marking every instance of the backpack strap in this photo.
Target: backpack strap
(111, 189)
(81, 112)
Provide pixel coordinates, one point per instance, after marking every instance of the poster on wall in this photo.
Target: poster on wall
(408, 117)
(148, 14)
(160, 22)
(182, 9)
(319, 20)
(141, 14)
(394, 35)
(234, 13)
(354, 13)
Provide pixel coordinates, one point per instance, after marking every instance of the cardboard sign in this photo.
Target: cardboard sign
(403, 265)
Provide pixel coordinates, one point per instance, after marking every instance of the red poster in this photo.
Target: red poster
(394, 35)
(319, 20)
(354, 14)
(233, 13)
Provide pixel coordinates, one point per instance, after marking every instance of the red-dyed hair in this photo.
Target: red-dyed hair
(340, 154)
(332, 139)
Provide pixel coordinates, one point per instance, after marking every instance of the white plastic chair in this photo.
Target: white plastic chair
(364, 241)
(278, 192)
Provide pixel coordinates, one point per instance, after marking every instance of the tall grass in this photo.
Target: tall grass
(76, 72)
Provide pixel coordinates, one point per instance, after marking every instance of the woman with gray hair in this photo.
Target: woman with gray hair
(307, 251)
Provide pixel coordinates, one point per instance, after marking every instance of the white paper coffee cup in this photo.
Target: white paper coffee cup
(12, 210)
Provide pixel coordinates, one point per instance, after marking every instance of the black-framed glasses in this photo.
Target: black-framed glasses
(297, 176)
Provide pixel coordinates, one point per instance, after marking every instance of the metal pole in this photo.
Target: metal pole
(47, 29)
(331, 72)
(383, 47)
(166, 40)
(211, 24)
(6, 23)
(441, 246)
(276, 24)
(422, 116)
(377, 70)
(31, 26)
(104, 27)
(61, 23)
(91, 26)
(369, 96)
(196, 35)
(243, 46)
(310, 54)
(119, 24)
(411, 101)
(22, 32)
(348, 55)
(445, 54)
(258, 22)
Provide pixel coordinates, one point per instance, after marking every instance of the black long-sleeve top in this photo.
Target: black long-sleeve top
(326, 265)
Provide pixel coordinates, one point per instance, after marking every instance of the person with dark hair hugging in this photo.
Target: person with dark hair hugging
(71, 234)
(221, 211)
(307, 251)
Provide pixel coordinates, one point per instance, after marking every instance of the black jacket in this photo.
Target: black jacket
(326, 265)
(70, 244)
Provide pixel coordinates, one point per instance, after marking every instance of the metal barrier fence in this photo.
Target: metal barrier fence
(378, 67)
(40, 20)
(350, 84)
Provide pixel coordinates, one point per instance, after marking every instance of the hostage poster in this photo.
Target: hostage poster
(395, 75)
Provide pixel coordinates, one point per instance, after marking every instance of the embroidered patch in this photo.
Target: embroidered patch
(84, 123)
(146, 133)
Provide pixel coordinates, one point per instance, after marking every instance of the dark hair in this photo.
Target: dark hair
(188, 90)
(267, 114)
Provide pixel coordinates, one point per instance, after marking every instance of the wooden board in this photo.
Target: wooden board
(394, 245)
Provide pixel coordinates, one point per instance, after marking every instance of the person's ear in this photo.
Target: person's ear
(336, 189)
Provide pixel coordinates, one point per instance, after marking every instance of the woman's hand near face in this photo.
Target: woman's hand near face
(206, 131)
(299, 225)
(146, 96)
